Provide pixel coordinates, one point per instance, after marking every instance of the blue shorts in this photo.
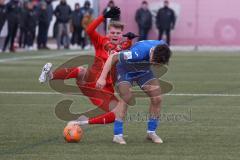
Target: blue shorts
(140, 77)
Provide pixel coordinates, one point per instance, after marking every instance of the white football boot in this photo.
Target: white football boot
(152, 136)
(82, 120)
(46, 73)
(119, 139)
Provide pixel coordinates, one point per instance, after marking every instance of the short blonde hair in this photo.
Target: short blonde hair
(116, 24)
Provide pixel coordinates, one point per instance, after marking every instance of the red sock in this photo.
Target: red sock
(66, 73)
(106, 118)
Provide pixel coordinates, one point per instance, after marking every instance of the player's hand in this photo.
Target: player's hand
(100, 83)
(114, 12)
(130, 35)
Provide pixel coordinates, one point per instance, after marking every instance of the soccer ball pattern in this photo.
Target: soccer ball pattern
(72, 133)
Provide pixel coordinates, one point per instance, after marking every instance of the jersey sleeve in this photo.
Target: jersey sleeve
(129, 56)
(124, 56)
(95, 37)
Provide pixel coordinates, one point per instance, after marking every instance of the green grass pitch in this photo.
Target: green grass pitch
(200, 127)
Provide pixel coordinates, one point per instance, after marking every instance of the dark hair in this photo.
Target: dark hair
(111, 2)
(87, 4)
(161, 54)
(144, 2)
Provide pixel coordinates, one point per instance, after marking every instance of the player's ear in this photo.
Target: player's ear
(151, 55)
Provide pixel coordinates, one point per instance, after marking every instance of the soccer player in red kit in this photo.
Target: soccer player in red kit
(86, 77)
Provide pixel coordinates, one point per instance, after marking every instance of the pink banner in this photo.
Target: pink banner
(199, 22)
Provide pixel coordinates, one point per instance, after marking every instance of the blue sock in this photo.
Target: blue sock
(118, 127)
(152, 124)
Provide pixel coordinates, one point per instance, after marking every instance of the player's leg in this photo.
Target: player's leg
(103, 99)
(63, 73)
(124, 89)
(67, 73)
(151, 87)
(107, 102)
(116, 115)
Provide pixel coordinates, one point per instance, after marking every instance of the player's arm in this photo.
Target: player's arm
(91, 29)
(112, 59)
(128, 42)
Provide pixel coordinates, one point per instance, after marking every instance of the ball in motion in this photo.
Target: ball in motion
(73, 133)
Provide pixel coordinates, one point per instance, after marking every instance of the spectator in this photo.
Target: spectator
(77, 28)
(3, 12)
(23, 16)
(50, 16)
(43, 24)
(49, 10)
(143, 18)
(87, 8)
(30, 24)
(63, 14)
(107, 20)
(87, 12)
(13, 12)
(165, 21)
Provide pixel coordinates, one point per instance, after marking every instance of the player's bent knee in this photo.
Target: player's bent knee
(129, 99)
(156, 100)
(81, 70)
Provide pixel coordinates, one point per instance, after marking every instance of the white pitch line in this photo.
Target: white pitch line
(30, 93)
(170, 94)
(38, 57)
(202, 95)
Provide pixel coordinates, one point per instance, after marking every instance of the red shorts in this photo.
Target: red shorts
(100, 98)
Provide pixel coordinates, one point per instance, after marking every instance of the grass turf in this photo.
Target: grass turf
(201, 127)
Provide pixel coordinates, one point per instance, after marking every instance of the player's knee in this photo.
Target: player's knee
(156, 100)
(81, 72)
(128, 98)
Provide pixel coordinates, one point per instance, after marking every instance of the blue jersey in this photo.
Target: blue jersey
(140, 51)
(134, 64)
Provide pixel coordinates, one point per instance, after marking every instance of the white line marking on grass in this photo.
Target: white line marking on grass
(30, 93)
(38, 57)
(170, 94)
(202, 95)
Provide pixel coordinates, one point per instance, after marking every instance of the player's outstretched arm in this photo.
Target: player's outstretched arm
(95, 37)
(91, 29)
(112, 59)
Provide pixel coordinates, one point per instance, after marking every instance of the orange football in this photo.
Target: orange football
(72, 133)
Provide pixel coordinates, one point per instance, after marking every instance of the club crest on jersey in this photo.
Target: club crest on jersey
(127, 55)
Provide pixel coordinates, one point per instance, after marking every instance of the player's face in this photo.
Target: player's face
(115, 35)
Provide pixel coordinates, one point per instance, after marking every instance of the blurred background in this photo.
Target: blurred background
(197, 23)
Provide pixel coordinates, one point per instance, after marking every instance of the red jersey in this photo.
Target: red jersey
(103, 47)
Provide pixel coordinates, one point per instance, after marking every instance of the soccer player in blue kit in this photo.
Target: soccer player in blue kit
(133, 65)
